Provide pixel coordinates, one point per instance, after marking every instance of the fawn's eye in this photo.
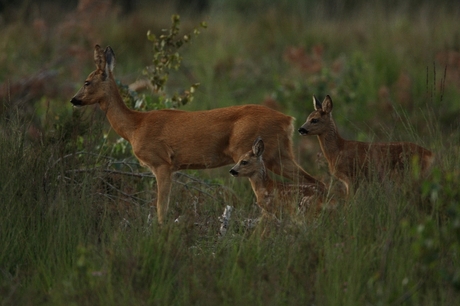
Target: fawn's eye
(87, 83)
(244, 162)
(314, 120)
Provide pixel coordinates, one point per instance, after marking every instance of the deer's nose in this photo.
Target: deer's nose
(303, 131)
(233, 172)
(75, 101)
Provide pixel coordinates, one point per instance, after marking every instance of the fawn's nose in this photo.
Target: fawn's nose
(233, 172)
(303, 131)
(75, 101)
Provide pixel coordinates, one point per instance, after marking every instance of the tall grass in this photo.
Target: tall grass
(74, 205)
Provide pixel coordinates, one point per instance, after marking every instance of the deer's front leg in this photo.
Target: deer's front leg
(163, 175)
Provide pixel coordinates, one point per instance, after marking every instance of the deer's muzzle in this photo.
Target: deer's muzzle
(303, 131)
(75, 101)
(233, 172)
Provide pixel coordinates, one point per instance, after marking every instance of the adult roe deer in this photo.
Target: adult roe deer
(348, 159)
(273, 196)
(168, 140)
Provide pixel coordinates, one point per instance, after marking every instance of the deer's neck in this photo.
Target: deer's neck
(121, 118)
(261, 184)
(331, 142)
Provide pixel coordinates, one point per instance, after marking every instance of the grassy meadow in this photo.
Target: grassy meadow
(74, 202)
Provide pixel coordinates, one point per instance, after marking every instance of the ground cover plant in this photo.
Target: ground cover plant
(74, 226)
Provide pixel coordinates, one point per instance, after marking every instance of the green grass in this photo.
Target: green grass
(74, 203)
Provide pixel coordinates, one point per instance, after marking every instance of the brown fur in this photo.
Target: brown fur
(272, 196)
(166, 141)
(349, 160)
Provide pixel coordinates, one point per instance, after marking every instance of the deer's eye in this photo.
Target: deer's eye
(87, 83)
(244, 162)
(314, 120)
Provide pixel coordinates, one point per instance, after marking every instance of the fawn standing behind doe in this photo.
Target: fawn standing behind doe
(168, 140)
(348, 159)
(273, 196)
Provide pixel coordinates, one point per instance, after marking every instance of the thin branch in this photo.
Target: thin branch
(119, 190)
(149, 175)
(132, 174)
(231, 191)
(195, 188)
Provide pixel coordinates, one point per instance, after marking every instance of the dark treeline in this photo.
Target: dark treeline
(333, 6)
(127, 6)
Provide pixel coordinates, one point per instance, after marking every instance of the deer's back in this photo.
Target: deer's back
(364, 157)
(278, 196)
(213, 138)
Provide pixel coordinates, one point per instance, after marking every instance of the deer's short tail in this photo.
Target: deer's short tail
(427, 162)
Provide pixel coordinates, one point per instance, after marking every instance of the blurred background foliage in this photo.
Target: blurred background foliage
(382, 61)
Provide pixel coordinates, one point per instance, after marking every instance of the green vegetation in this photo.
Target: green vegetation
(74, 201)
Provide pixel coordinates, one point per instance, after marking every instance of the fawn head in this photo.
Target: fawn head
(96, 86)
(250, 162)
(318, 121)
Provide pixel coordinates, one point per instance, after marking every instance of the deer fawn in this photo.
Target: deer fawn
(348, 160)
(168, 140)
(272, 196)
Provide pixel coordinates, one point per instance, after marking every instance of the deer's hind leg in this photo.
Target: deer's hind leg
(284, 165)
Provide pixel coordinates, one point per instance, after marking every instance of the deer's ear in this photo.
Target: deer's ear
(317, 104)
(99, 58)
(258, 147)
(110, 60)
(327, 104)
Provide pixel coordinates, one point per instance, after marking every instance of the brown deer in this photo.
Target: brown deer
(169, 140)
(272, 196)
(349, 160)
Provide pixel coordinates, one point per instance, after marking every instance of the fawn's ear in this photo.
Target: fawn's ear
(327, 104)
(258, 147)
(317, 104)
